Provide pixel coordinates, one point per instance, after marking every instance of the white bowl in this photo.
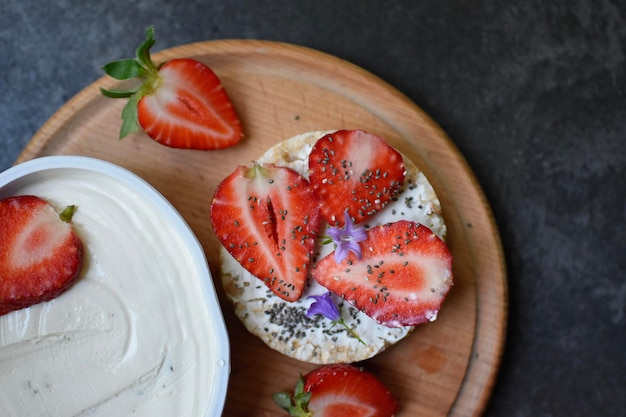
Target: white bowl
(141, 332)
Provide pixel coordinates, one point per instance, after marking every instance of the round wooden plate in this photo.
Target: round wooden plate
(443, 368)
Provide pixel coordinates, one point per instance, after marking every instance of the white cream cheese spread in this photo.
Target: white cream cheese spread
(283, 326)
(133, 336)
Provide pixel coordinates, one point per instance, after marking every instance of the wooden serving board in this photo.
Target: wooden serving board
(279, 90)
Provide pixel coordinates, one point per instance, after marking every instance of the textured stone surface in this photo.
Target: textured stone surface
(532, 93)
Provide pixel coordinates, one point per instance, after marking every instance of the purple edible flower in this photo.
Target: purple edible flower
(347, 239)
(323, 305)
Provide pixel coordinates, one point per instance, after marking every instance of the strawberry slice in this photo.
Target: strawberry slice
(181, 103)
(401, 279)
(267, 218)
(40, 254)
(339, 390)
(354, 171)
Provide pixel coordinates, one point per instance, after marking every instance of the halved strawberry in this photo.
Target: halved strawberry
(40, 254)
(354, 171)
(268, 218)
(181, 103)
(336, 391)
(402, 278)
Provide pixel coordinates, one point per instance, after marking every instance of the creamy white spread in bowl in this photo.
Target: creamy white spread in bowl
(141, 332)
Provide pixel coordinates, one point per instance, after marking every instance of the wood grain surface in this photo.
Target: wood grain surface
(279, 90)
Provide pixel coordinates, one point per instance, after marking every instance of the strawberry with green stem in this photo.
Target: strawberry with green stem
(338, 390)
(40, 253)
(267, 218)
(180, 103)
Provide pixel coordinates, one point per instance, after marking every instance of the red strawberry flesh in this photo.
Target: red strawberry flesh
(189, 108)
(345, 390)
(40, 255)
(267, 219)
(402, 278)
(354, 171)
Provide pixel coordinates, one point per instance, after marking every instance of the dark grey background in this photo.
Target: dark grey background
(531, 92)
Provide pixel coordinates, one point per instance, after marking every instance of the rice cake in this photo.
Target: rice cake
(283, 325)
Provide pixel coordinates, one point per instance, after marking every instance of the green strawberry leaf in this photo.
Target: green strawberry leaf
(129, 117)
(139, 67)
(143, 51)
(296, 405)
(67, 213)
(124, 69)
(119, 93)
(283, 400)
